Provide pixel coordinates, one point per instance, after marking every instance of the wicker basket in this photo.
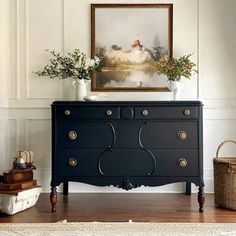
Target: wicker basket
(225, 179)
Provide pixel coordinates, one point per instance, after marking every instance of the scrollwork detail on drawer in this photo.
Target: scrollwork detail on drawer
(108, 149)
(145, 149)
(113, 134)
(100, 160)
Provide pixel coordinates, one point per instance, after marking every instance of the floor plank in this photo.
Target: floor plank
(108, 207)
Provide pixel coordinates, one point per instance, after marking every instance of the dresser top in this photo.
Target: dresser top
(129, 103)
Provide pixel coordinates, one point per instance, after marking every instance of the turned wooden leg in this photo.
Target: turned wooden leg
(53, 198)
(201, 198)
(65, 188)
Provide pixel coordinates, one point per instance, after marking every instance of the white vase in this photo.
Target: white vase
(80, 89)
(176, 87)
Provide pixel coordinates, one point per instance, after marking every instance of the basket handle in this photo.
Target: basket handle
(220, 146)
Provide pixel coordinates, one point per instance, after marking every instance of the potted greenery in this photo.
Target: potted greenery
(175, 69)
(74, 65)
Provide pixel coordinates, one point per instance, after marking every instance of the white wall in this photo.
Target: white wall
(4, 69)
(217, 53)
(204, 27)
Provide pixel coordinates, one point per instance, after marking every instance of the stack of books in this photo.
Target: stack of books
(17, 180)
(18, 188)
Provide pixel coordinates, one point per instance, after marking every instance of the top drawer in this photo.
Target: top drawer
(85, 113)
(186, 112)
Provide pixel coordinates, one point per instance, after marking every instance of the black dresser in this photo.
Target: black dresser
(127, 144)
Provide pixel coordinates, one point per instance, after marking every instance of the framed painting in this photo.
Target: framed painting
(129, 39)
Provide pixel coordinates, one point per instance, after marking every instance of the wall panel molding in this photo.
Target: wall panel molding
(217, 50)
(27, 49)
(14, 82)
(38, 140)
(13, 140)
(27, 129)
(17, 50)
(28, 70)
(220, 103)
(219, 114)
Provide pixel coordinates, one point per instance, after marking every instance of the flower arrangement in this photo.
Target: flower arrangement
(175, 68)
(74, 65)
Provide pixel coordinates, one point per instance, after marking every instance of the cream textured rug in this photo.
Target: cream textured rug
(126, 229)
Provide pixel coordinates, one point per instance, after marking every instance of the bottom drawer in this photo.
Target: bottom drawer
(128, 162)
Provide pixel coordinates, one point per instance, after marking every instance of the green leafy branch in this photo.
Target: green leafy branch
(175, 68)
(74, 65)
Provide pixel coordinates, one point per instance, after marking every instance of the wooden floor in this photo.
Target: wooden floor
(108, 207)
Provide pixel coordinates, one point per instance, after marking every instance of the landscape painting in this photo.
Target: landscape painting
(129, 39)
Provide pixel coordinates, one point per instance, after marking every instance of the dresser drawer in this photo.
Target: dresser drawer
(166, 112)
(78, 163)
(74, 135)
(169, 134)
(176, 162)
(87, 113)
(127, 162)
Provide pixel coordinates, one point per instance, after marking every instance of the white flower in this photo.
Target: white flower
(97, 59)
(90, 63)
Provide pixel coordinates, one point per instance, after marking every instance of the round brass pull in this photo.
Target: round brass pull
(182, 162)
(72, 135)
(109, 112)
(72, 162)
(187, 112)
(145, 112)
(67, 112)
(182, 135)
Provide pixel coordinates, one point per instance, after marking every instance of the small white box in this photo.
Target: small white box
(13, 203)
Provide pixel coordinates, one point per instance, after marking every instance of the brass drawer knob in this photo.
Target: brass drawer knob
(72, 135)
(145, 112)
(109, 112)
(67, 112)
(182, 135)
(187, 112)
(72, 162)
(182, 162)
